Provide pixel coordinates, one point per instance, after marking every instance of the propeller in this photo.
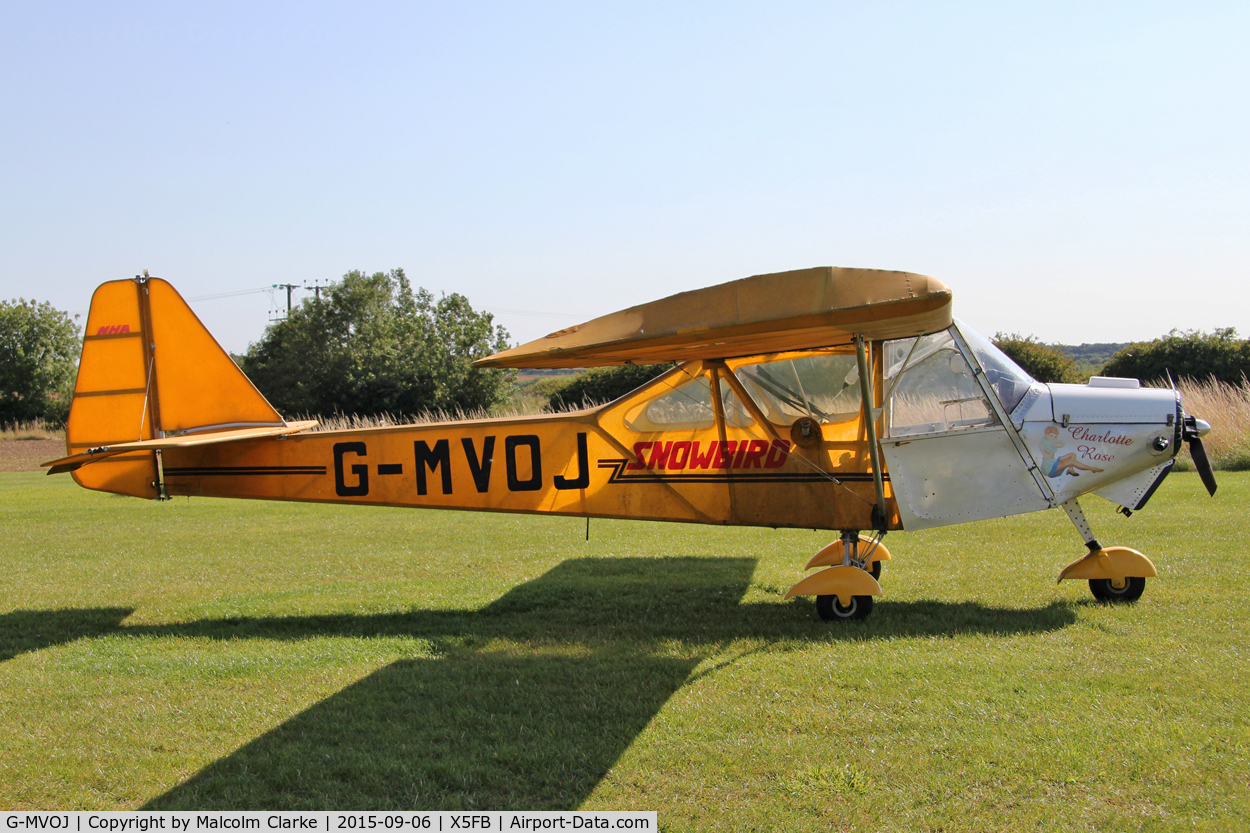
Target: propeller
(1192, 431)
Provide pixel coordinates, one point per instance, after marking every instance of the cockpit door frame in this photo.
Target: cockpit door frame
(991, 395)
(976, 471)
(870, 427)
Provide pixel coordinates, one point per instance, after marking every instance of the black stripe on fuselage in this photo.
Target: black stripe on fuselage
(242, 471)
(730, 476)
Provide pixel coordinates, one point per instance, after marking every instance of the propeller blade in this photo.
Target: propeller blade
(1203, 464)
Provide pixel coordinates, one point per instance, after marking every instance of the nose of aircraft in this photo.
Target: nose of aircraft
(1192, 432)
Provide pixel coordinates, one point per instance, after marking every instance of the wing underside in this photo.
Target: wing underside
(773, 313)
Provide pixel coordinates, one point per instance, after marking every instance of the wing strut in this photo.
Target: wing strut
(865, 390)
(747, 402)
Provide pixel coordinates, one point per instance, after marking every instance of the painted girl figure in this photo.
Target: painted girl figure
(1067, 464)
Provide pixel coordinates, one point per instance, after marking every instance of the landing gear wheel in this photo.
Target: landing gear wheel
(832, 611)
(874, 570)
(1104, 589)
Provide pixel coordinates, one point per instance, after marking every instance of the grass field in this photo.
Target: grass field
(219, 654)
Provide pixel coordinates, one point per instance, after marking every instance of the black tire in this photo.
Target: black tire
(874, 570)
(1104, 591)
(831, 611)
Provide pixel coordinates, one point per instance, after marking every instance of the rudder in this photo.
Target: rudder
(150, 369)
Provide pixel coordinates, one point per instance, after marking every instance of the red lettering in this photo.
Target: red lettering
(1091, 452)
(777, 454)
(113, 329)
(659, 455)
(742, 451)
(725, 457)
(1080, 432)
(754, 457)
(679, 455)
(705, 461)
(638, 449)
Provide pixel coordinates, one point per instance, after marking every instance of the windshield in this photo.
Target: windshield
(1007, 378)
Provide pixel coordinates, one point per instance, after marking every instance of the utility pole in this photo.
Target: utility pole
(289, 287)
(316, 287)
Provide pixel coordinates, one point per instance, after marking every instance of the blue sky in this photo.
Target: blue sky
(1080, 172)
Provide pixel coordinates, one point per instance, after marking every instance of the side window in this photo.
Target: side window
(932, 388)
(687, 406)
(823, 387)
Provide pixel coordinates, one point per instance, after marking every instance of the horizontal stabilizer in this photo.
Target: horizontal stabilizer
(77, 461)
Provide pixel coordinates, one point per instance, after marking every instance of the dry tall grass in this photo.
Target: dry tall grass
(1227, 408)
(33, 430)
(346, 422)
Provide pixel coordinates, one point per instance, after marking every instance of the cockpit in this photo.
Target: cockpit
(940, 405)
(922, 385)
(931, 385)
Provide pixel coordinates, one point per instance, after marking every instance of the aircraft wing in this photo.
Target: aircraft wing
(796, 310)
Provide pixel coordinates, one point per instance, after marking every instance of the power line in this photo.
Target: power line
(535, 314)
(234, 294)
(289, 287)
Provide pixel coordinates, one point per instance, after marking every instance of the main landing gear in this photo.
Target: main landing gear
(845, 589)
(1115, 574)
(1127, 589)
(831, 610)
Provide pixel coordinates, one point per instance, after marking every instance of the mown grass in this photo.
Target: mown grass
(219, 654)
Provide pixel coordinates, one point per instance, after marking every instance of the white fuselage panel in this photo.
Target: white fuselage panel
(950, 478)
(1112, 406)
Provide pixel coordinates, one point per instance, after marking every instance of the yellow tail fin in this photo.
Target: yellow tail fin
(151, 370)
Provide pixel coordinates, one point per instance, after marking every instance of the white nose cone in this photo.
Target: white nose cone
(1202, 427)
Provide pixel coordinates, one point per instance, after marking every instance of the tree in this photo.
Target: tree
(603, 384)
(1190, 354)
(39, 350)
(371, 345)
(1041, 361)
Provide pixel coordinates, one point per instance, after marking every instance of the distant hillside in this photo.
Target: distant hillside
(530, 375)
(1101, 353)
(1090, 358)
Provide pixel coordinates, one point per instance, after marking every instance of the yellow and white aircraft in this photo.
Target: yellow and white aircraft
(826, 398)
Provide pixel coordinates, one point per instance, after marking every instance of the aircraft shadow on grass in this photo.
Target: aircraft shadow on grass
(24, 631)
(530, 700)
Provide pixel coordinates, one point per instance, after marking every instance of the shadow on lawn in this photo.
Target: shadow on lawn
(535, 696)
(23, 631)
(531, 702)
(460, 733)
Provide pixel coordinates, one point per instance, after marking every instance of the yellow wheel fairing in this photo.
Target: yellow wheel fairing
(1115, 563)
(843, 582)
(832, 554)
